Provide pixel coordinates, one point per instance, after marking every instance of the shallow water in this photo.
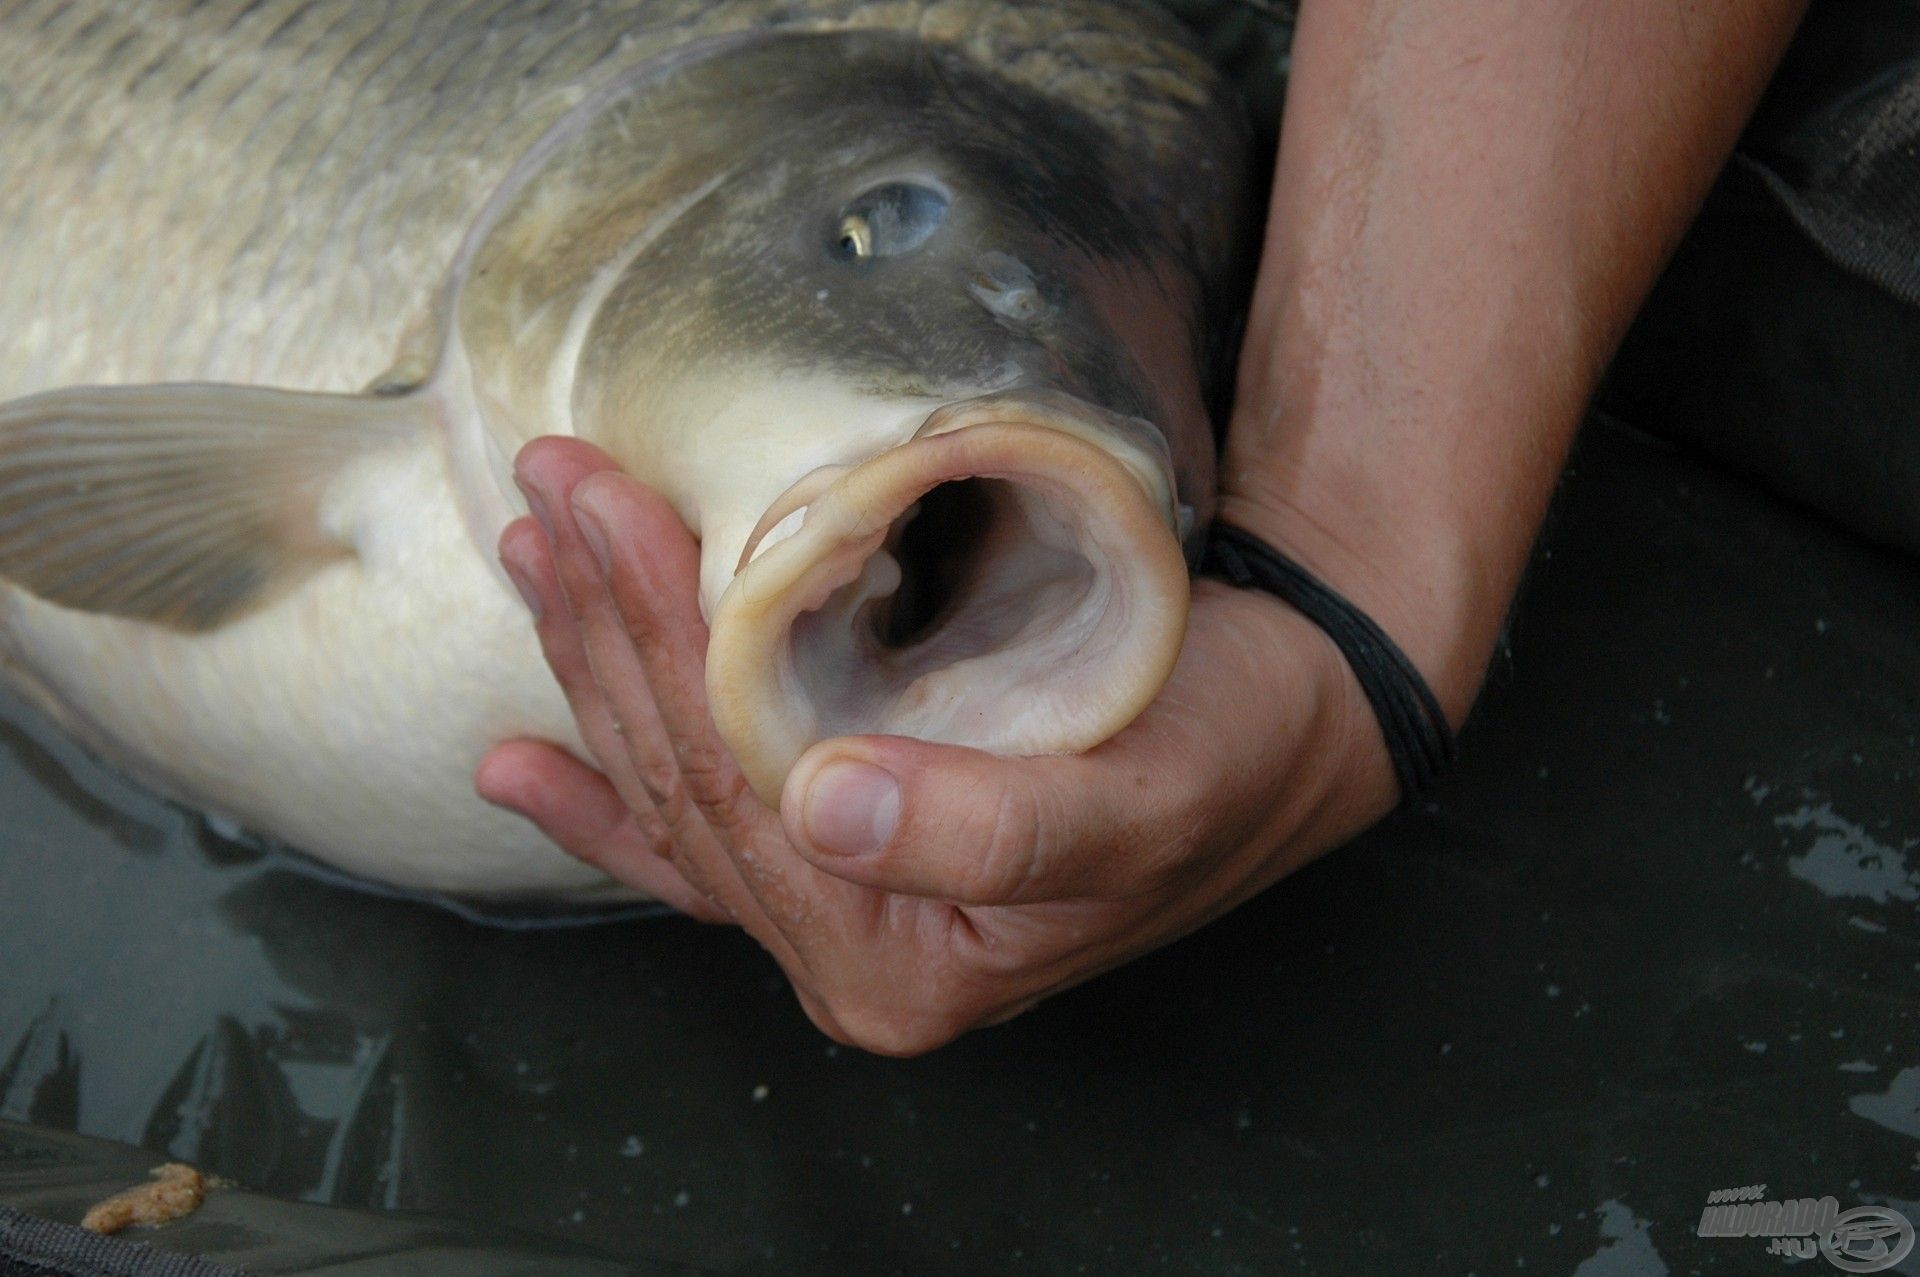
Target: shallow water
(1660, 935)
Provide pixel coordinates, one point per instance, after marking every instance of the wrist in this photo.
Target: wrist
(1418, 573)
(1306, 758)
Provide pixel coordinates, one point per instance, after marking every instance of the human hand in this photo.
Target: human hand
(912, 891)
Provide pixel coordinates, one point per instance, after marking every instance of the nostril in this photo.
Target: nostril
(1009, 290)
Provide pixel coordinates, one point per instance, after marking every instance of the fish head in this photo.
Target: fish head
(925, 351)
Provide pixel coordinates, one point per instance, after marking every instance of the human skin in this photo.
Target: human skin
(1472, 198)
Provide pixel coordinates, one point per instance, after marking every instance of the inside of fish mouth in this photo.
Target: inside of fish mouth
(983, 570)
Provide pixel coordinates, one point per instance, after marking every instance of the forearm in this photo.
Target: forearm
(1473, 197)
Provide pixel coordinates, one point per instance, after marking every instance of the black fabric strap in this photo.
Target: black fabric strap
(1419, 738)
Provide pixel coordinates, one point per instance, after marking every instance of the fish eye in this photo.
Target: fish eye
(890, 220)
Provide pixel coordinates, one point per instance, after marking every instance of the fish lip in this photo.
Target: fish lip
(1136, 443)
(1116, 481)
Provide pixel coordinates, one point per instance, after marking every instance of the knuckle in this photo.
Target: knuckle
(898, 1039)
(890, 1026)
(636, 614)
(1006, 859)
(657, 840)
(720, 787)
(993, 960)
(623, 842)
(991, 963)
(662, 780)
(710, 772)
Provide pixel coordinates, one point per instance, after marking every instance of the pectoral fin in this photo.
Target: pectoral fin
(181, 504)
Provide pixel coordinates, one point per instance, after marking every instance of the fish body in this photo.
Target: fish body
(288, 282)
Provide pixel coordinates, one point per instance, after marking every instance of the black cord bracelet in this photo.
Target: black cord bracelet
(1419, 738)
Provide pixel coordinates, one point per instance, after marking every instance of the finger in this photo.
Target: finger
(575, 806)
(653, 579)
(525, 555)
(526, 558)
(607, 686)
(548, 470)
(970, 828)
(658, 757)
(639, 679)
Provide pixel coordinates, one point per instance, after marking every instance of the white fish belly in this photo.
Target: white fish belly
(346, 718)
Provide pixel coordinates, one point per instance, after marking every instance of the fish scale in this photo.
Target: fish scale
(343, 112)
(286, 283)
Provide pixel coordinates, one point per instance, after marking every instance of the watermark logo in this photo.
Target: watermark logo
(1866, 1239)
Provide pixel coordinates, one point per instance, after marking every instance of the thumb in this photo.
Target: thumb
(968, 827)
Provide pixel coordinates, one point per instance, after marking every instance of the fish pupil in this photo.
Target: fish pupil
(892, 219)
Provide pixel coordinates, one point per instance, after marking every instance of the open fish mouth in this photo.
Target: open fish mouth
(1009, 579)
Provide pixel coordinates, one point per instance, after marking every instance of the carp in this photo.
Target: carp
(915, 312)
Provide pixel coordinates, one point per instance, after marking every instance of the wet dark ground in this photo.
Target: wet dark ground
(1659, 935)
